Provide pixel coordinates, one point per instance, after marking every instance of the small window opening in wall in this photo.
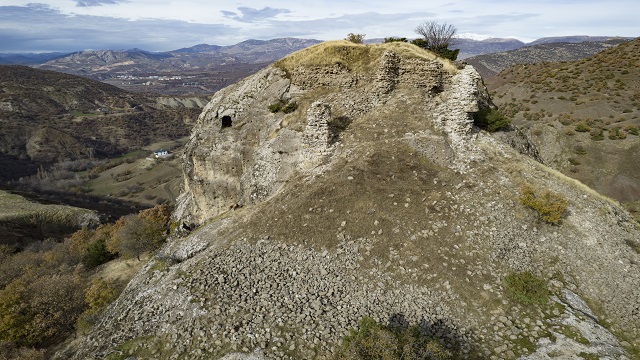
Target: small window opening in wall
(226, 121)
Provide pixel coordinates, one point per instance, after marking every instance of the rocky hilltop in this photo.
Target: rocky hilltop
(348, 180)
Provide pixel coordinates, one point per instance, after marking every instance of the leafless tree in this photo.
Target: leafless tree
(437, 36)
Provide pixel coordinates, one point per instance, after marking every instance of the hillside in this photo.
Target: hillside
(348, 181)
(49, 117)
(23, 221)
(584, 116)
(540, 51)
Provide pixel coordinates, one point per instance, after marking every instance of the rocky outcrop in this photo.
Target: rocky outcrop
(378, 199)
(240, 153)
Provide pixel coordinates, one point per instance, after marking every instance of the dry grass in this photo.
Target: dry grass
(15, 207)
(357, 58)
(147, 181)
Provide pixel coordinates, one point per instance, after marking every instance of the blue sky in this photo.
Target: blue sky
(160, 25)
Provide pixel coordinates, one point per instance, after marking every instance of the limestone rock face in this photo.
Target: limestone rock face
(240, 153)
(231, 159)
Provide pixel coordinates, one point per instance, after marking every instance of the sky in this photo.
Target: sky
(162, 25)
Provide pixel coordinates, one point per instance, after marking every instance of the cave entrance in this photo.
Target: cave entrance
(226, 121)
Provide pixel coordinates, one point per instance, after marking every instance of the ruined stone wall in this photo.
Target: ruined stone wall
(309, 77)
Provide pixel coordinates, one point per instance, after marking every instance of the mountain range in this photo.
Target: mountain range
(204, 69)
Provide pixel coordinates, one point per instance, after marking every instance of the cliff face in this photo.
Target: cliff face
(241, 153)
(375, 197)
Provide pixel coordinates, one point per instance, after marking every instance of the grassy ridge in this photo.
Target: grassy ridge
(23, 221)
(356, 57)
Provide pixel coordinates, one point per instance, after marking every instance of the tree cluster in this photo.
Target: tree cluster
(46, 292)
(355, 38)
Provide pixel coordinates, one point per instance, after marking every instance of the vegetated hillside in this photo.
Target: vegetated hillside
(490, 64)
(584, 116)
(23, 221)
(346, 183)
(48, 117)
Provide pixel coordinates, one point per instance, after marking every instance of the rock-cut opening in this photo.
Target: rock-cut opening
(226, 121)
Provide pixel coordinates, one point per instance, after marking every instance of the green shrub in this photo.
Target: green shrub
(490, 119)
(395, 39)
(283, 106)
(100, 294)
(525, 288)
(355, 38)
(578, 149)
(549, 205)
(374, 341)
(617, 133)
(443, 51)
(596, 134)
(290, 107)
(97, 297)
(97, 254)
(275, 107)
(582, 127)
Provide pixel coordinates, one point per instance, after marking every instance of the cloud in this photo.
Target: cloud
(374, 25)
(50, 30)
(250, 15)
(87, 3)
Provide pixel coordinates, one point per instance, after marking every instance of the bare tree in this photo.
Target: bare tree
(437, 36)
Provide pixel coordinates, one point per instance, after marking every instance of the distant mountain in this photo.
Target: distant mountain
(572, 39)
(29, 58)
(200, 69)
(474, 46)
(490, 64)
(91, 62)
(195, 58)
(204, 69)
(471, 47)
(200, 48)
